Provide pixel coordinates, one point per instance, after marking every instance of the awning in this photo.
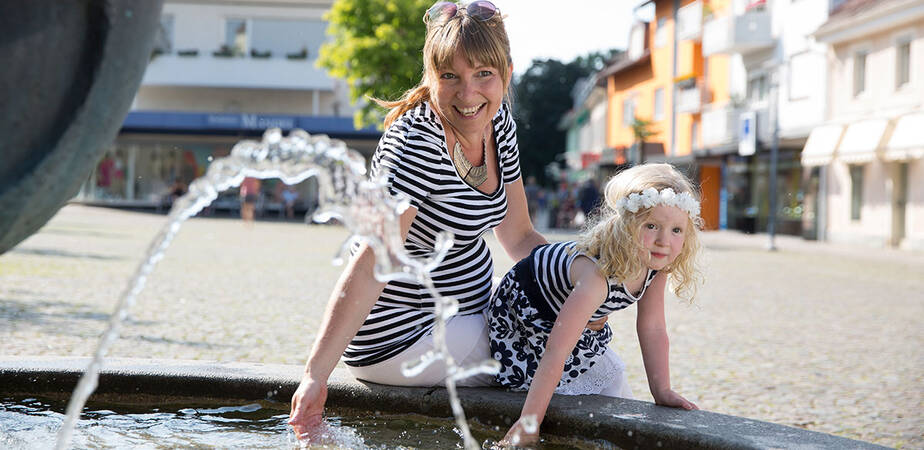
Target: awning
(907, 140)
(861, 141)
(821, 145)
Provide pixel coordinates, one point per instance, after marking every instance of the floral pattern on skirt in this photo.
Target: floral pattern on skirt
(519, 334)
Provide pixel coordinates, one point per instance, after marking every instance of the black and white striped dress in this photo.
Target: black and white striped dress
(525, 306)
(414, 155)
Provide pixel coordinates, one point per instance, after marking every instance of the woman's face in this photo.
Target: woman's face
(468, 97)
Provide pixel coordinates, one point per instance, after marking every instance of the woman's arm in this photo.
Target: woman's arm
(516, 233)
(590, 290)
(652, 338)
(350, 302)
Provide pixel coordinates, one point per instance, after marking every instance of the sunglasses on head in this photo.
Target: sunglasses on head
(481, 10)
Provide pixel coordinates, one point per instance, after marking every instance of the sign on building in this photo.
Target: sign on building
(747, 133)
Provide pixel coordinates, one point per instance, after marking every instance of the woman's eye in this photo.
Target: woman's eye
(485, 73)
(447, 76)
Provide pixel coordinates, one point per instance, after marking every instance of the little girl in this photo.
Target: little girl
(539, 314)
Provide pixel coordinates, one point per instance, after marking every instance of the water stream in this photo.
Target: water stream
(346, 193)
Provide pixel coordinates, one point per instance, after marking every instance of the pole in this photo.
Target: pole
(774, 156)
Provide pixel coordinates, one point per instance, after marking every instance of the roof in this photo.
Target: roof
(856, 18)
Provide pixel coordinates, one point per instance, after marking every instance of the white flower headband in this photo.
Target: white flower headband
(652, 197)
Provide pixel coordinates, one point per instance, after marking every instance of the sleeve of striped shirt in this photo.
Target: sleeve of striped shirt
(407, 154)
(510, 150)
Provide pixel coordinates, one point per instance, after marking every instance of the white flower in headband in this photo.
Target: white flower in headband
(651, 197)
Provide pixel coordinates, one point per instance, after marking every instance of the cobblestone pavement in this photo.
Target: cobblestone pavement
(817, 336)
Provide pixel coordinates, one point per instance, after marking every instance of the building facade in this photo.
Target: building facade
(868, 156)
(220, 72)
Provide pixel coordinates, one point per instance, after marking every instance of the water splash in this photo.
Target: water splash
(364, 206)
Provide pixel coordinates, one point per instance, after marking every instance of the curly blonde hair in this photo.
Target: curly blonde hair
(613, 235)
(479, 42)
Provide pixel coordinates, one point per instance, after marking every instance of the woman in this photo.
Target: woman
(450, 146)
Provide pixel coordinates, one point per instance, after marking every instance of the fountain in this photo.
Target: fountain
(103, 46)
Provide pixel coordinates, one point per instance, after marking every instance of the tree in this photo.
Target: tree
(641, 131)
(376, 48)
(542, 95)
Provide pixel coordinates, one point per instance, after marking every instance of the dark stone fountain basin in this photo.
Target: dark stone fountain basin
(625, 423)
(71, 70)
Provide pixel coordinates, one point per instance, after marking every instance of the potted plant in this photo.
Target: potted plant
(188, 52)
(260, 55)
(224, 52)
(303, 54)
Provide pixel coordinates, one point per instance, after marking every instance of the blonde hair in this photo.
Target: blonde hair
(479, 42)
(613, 235)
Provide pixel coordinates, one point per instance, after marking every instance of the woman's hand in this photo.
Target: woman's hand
(308, 407)
(673, 399)
(520, 436)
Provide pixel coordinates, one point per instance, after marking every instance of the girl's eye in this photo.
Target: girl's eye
(677, 230)
(650, 226)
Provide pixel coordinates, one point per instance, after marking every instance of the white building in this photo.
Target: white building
(871, 147)
(222, 71)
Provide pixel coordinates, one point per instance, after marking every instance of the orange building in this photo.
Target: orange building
(662, 81)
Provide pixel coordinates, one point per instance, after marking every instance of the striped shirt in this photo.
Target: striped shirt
(551, 265)
(413, 155)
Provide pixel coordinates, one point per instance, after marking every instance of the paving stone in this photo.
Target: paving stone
(814, 335)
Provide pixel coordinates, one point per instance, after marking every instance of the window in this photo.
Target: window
(236, 36)
(859, 72)
(628, 111)
(902, 63)
(757, 88)
(694, 136)
(163, 40)
(287, 37)
(856, 192)
(661, 32)
(659, 104)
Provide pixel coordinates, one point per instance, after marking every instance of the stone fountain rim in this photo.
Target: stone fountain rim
(625, 423)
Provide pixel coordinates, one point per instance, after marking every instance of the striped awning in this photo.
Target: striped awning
(907, 139)
(821, 145)
(862, 141)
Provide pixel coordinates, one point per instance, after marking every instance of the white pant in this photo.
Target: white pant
(467, 339)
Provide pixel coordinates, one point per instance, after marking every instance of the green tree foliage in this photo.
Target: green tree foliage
(376, 48)
(542, 97)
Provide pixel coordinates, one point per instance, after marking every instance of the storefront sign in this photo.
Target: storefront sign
(747, 133)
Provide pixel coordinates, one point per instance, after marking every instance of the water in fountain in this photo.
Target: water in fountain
(364, 206)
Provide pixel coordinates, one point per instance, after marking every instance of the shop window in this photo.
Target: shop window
(856, 192)
(902, 63)
(859, 72)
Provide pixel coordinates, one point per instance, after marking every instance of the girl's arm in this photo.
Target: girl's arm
(652, 337)
(350, 302)
(516, 233)
(590, 290)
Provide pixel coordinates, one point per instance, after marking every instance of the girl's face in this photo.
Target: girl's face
(662, 235)
(468, 97)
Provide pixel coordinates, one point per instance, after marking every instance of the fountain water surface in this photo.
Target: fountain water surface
(347, 194)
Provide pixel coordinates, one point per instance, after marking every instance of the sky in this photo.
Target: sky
(540, 29)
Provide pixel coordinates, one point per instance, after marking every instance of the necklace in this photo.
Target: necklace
(474, 176)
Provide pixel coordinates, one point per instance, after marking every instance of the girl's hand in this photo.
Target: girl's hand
(674, 400)
(308, 407)
(518, 436)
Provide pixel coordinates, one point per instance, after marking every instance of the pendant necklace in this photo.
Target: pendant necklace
(474, 176)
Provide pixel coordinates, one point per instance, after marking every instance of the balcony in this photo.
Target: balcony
(744, 33)
(690, 96)
(690, 21)
(207, 70)
(720, 127)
